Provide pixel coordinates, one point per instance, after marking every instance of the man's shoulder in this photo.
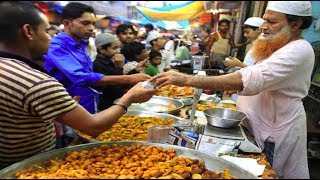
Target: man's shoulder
(298, 46)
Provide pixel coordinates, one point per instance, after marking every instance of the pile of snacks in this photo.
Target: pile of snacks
(124, 162)
(130, 128)
(202, 107)
(174, 91)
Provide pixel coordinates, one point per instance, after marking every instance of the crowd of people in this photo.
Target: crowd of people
(47, 76)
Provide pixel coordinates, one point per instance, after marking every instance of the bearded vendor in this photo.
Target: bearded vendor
(272, 90)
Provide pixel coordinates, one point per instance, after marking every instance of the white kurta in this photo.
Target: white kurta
(271, 99)
(165, 61)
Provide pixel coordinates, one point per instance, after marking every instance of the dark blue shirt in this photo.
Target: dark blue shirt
(68, 61)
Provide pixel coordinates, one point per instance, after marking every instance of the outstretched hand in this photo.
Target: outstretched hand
(169, 77)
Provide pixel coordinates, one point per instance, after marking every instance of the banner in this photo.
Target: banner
(182, 12)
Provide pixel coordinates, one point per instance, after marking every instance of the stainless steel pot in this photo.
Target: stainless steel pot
(211, 162)
(158, 104)
(223, 118)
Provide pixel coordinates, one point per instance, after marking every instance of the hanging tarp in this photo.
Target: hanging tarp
(169, 25)
(187, 11)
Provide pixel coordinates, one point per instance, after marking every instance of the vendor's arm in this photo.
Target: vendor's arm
(233, 62)
(225, 82)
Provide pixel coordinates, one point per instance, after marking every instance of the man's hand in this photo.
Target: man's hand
(232, 62)
(139, 77)
(170, 77)
(142, 65)
(118, 60)
(138, 94)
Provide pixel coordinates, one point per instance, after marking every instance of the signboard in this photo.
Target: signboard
(206, 18)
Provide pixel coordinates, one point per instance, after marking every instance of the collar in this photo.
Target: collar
(23, 59)
(70, 40)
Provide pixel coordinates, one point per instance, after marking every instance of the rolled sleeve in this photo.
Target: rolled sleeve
(252, 80)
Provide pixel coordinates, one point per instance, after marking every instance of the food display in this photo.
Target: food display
(204, 106)
(174, 91)
(130, 128)
(124, 162)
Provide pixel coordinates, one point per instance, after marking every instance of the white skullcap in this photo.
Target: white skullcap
(105, 38)
(254, 21)
(297, 8)
(188, 43)
(152, 35)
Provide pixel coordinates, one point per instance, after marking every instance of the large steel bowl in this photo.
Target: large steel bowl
(211, 162)
(177, 120)
(158, 104)
(223, 118)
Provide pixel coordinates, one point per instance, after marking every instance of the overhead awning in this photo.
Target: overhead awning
(186, 11)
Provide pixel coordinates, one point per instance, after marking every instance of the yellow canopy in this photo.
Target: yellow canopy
(190, 11)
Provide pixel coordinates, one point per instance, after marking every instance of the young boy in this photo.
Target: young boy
(155, 60)
(136, 55)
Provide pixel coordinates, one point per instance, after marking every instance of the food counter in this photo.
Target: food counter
(268, 173)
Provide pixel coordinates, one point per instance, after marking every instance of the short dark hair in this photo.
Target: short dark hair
(75, 10)
(154, 54)
(224, 21)
(123, 27)
(244, 26)
(306, 20)
(15, 14)
(132, 49)
(149, 26)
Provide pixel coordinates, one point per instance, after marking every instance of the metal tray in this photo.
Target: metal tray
(177, 120)
(211, 162)
(158, 104)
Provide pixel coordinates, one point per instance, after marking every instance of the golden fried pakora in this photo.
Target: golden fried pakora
(124, 162)
(130, 128)
(174, 91)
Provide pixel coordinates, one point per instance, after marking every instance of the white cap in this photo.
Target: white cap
(254, 21)
(297, 8)
(188, 43)
(105, 38)
(152, 35)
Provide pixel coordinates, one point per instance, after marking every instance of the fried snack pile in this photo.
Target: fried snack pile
(124, 162)
(202, 107)
(131, 128)
(174, 91)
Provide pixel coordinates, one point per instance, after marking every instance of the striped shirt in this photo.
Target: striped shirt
(29, 102)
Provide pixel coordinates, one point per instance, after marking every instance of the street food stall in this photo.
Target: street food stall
(166, 130)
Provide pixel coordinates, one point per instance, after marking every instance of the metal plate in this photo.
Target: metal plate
(211, 162)
(158, 104)
(141, 114)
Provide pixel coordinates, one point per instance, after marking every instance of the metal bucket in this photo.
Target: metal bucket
(211, 162)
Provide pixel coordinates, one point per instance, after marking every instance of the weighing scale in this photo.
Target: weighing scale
(215, 140)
